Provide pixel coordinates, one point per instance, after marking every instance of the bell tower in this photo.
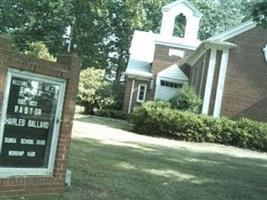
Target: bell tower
(180, 8)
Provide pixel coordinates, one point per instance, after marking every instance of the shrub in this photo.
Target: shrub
(186, 99)
(156, 118)
(94, 91)
(158, 104)
(117, 114)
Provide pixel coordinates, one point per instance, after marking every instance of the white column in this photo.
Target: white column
(221, 81)
(131, 96)
(209, 81)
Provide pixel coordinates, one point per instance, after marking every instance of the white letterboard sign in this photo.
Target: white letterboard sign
(32, 112)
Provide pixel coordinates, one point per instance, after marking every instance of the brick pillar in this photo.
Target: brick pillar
(5, 44)
(73, 62)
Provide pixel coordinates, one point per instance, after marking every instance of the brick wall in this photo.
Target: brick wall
(201, 66)
(245, 93)
(128, 89)
(162, 60)
(68, 68)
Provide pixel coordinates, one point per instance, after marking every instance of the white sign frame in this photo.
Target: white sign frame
(265, 52)
(8, 172)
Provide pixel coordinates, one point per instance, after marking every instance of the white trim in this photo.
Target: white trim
(220, 86)
(7, 172)
(138, 93)
(246, 26)
(209, 81)
(131, 97)
(141, 74)
(191, 46)
(151, 84)
(173, 72)
(132, 76)
(205, 46)
(265, 52)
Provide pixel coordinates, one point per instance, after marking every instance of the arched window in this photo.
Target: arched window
(179, 26)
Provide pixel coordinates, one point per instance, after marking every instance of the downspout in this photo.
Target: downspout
(131, 96)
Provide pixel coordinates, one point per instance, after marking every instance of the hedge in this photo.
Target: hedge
(159, 119)
(117, 114)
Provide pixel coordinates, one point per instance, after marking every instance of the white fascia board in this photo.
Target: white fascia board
(174, 73)
(176, 45)
(205, 46)
(246, 26)
(136, 74)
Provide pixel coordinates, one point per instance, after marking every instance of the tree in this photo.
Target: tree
(94, 90)
(39, 50)
(259, 13)
(101, 31)
(33, 21)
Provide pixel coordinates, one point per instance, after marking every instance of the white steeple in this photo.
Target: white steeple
(185, 8)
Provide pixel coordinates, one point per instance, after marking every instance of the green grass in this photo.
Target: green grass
(109, 122)
(137, 171)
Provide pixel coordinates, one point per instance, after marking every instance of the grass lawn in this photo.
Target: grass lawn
(144, 168)
(104, 121)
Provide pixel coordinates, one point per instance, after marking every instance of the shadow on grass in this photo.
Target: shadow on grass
(151, 172)
(109, 122)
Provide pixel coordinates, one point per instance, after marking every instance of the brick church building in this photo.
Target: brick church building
(228, 70)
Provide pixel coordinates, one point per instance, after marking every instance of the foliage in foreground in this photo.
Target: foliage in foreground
(39, 50)
(158, 119)
(94, 91)
(117, 114)
(186, 99)
(259, 13)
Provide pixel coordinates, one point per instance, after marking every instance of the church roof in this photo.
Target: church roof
(173, 72)
(246, 26)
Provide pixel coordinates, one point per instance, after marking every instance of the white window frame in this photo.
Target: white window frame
(48, 171)
(138, 93)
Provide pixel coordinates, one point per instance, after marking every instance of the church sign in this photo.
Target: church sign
(29, 126)
(37, 104)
